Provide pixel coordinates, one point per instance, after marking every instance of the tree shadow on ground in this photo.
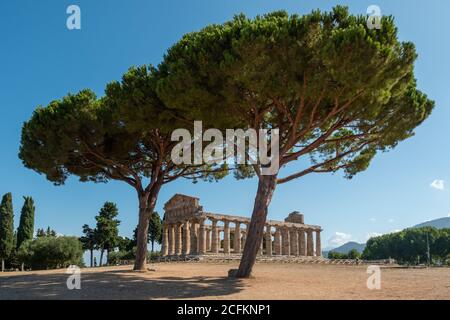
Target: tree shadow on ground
(115, 285)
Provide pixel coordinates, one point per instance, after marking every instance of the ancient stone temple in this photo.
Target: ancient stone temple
(188, 230)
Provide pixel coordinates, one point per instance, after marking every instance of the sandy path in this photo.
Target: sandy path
(208, 281)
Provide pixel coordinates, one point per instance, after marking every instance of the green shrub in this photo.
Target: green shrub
(115, 257)
(153, 256)
(51, 253)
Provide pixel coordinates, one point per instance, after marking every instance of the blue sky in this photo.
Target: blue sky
(41, 60)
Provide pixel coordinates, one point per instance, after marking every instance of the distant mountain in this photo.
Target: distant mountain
(437, 223)
(345, 248)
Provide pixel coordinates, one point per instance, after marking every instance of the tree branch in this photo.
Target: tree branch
(315, 167)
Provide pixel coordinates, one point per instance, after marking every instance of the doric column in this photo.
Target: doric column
(208, 240)
(237, 237)
(286, 242)
(309, 243)
(277, 244)
(187, 238)
(226, 237)
(202, 237)
(301, 243)
(244, 237)
(171, 239)
(178, 238)
(318, 244)
(268, 240)
(193, 230)
(215, 242)
(294, 242)
(165, 240)
(261, 246)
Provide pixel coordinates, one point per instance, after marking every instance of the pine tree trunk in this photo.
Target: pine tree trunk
(147, 203)
(141, 245)
(266, 187)
(101, 257)
(153, 246)
(92, 258)
(3, 265)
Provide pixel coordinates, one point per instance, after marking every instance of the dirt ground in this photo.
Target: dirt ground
(209, 281)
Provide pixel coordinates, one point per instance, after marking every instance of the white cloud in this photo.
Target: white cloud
(448, 215)
(372, 234)
(391, 220)
(438, 184)
(372, 219)
(338, 239)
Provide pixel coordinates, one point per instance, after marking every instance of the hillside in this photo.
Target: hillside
(437, 223)
(345, 248)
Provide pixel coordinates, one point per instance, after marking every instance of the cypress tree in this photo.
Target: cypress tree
(26, 226)
(107, 232)
(155, 230)
(6, 228)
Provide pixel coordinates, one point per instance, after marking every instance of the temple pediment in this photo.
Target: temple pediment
(295, 217)
(181, 207)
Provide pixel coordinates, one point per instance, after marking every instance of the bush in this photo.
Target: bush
(153, 256)
(336, 255)
(51, 253)
(352, 254)
(115, 257)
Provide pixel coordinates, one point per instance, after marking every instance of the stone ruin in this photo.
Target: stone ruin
(188, 230)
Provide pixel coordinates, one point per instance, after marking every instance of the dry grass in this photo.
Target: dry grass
(209, 281)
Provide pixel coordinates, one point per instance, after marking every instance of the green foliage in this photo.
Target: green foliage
(155, 229)
(106, 233)
(352, 254)
(88, 240)
(336, 255)
(41, 233)
(126, 244)
(410, 246)
(153, 256)
(6, 226)
(123, 136)
(338, 91)
(116, 257)
(25, 230)
(51, 252)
